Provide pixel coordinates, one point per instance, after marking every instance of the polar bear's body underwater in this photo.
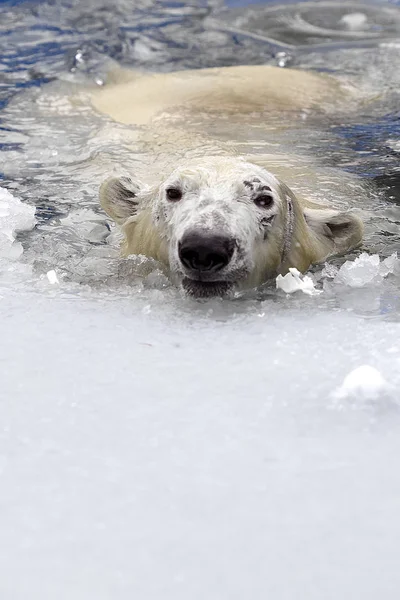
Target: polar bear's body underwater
(217, 221)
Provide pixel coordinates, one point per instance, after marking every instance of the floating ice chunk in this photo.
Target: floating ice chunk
(282, 59)
(354, 21)
(359, 272)
(366, 269)
(52, 277)
(294, 281)
(389, 265)
(14, 217)
(365, 383)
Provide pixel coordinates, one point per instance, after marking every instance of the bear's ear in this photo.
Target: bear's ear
(343, 230)
(118, 198)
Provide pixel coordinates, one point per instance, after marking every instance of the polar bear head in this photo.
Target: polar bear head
(221, 224)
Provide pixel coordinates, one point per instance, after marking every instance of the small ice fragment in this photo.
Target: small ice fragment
(79, 56)
(329, 271)
(388, 265)
(354, 21)
(364, 382)
(282, 59)
(52, 277)
(294, 281)
(392, 143)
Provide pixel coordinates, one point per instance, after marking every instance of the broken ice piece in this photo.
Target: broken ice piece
(389, 265)
(359, 272)
(365, 269)
(356, 21)
(52, 277)
(295, 281)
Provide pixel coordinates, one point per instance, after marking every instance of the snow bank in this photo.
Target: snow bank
(14, 218)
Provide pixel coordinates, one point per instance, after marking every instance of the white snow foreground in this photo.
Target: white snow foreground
(14, 218)
(193, 451)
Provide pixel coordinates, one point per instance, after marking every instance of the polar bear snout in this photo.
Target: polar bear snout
(204, 252)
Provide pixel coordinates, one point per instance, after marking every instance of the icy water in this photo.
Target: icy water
(156, 447)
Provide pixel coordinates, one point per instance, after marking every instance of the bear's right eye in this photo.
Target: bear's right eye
(174, 194)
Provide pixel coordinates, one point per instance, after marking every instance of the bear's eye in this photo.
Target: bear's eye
(174, 194)
(264, 201)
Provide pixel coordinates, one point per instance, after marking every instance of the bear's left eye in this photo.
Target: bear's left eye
(264, 201)
(173, 194)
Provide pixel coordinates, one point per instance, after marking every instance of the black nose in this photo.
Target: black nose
(205, 252)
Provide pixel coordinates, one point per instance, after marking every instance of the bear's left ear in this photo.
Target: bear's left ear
(118, 198)
(341, 230)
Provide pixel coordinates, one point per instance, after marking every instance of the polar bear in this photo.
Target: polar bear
(217, 221)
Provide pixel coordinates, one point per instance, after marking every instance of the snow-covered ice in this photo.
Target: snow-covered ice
(156, 447)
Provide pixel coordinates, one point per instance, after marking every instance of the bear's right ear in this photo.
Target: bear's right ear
(118, 198)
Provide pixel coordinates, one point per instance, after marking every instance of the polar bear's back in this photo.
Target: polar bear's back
(141, 98)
